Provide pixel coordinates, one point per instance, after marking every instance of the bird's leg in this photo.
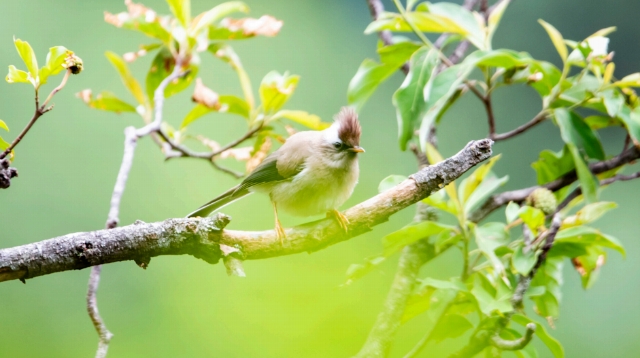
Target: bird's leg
(280, 234)
(340, 218)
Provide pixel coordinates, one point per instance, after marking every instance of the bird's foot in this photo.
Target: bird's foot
(280, 234)
(340, 218)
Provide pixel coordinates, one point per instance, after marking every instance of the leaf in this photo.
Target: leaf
(453, 284)
(399, 53)
(589, 213)
(228, 55)
(554, 346)
(266, 25)
(512, 211)
(16, 75)
(182, 11)
(556, 38)
(105, 101)
(390, 182)
(3, 144)
(356, 271)
(3, 125)
(127, 79)
(608, 73)
(489, 185)
(207, 18)
(369, 76)
(523, 262)
(55, 60)
(409, 99)
(549, 275)
(533, 217)
(631, 120)
(612, 100)
(489, 237)
(395, 241)
(28, 57)
(488, 302)
(227, 104)
(434, 302)
(632, 80)
(585, 236)
(434, 157)
(588, 182)
(143, 19)
(301, 117)
(469, 184)
(276, 89)
(575, 131)
(588, 265)
(472, 29)
(450, 326)
(494, 20)
(551, 166)
(162, 66)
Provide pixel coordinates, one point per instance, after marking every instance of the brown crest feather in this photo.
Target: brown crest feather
(348, 126)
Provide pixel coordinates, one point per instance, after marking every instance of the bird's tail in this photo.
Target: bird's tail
(224, 199)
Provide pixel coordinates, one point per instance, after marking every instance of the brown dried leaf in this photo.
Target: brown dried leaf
(133, 11)
(205, 96)
(242, 154)
(265, 25)
(85, 95)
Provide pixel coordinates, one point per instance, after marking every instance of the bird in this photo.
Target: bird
(313, 172)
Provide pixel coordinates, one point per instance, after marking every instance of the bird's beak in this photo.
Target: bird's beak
(357, 149)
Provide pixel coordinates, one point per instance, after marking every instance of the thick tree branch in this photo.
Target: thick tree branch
(202, 237)
(519, 195)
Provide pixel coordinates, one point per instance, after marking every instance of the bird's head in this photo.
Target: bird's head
(342, 139)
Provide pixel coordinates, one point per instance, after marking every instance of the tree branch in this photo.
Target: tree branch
(519, 195)
(202, 237)
(539, 118)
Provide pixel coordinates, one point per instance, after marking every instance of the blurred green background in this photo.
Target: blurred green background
(289, 306)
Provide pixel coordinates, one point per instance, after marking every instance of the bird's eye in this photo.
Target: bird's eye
(337, 145)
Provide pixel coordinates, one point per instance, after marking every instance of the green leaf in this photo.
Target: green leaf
(575, 131)
(631, 120)
(16, 75)
(3, 125)
(161, 67)
(497, 299)
(218, 12)
(356, 271)
(28, 57)
(395, 241)
(556, 38)
(369, 76)
(127, 79)
(182, 11)
(549, 276)
(554, 346)
(552, 166)
(399, 53)
(390, 181)
(585, 236)
(489, 185)
(228, 104)
(3, 145)
(599, 122)
(471, 183)
(228, 55)
(533, 217)
(588, 181)
(55, 60)
(453, 284)
(512, 211)
(472, 29)
(450, 326)
(588, 265)
(276, 89)
(301, 117)
(107, 101)
(489, 237)
(145, 21)
(409, 98)
(613, 101)
(589, 213)
(523, 263)
(434, 302)
(632, 80)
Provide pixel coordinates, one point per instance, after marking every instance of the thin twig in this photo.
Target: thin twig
(539, 118)
(577, 191)
(516, 344)
(92, 307)
(57, 89)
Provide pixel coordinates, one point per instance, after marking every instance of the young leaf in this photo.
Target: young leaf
(390, 181)
(450, 13)
(227, 104)
(494, 20)
(3, 144)
(127, 78)
(468, 185)
(489, 237)
(512, 211)
(434, 302)
(3, 125)
(575, 131)
(488, 303)
(399, 53)
(551, 166)
(182, 11)
(591, 212)
(105, 101)
(356, 271)
(143, 19)
(489, 185)
(532, 217)
(631, 120)
(55, 60)
(409, 99)
(556, 38)
(276, 89)
(549, 275)
(588, 182)
(16, 75)
(584, 235)
(207, 18)
(161, 67)
(28, 57)
(523, 263)
(369, 76)
(395, 241)
(301, 117)
(450, 326)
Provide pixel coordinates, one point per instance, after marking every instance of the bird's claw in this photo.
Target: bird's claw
(340, 218)
(280, 234)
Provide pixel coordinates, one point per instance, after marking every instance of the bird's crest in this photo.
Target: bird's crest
(348, 126)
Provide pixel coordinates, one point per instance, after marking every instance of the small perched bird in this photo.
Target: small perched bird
(313, 172)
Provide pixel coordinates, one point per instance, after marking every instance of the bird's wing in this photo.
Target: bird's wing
(284, 163)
